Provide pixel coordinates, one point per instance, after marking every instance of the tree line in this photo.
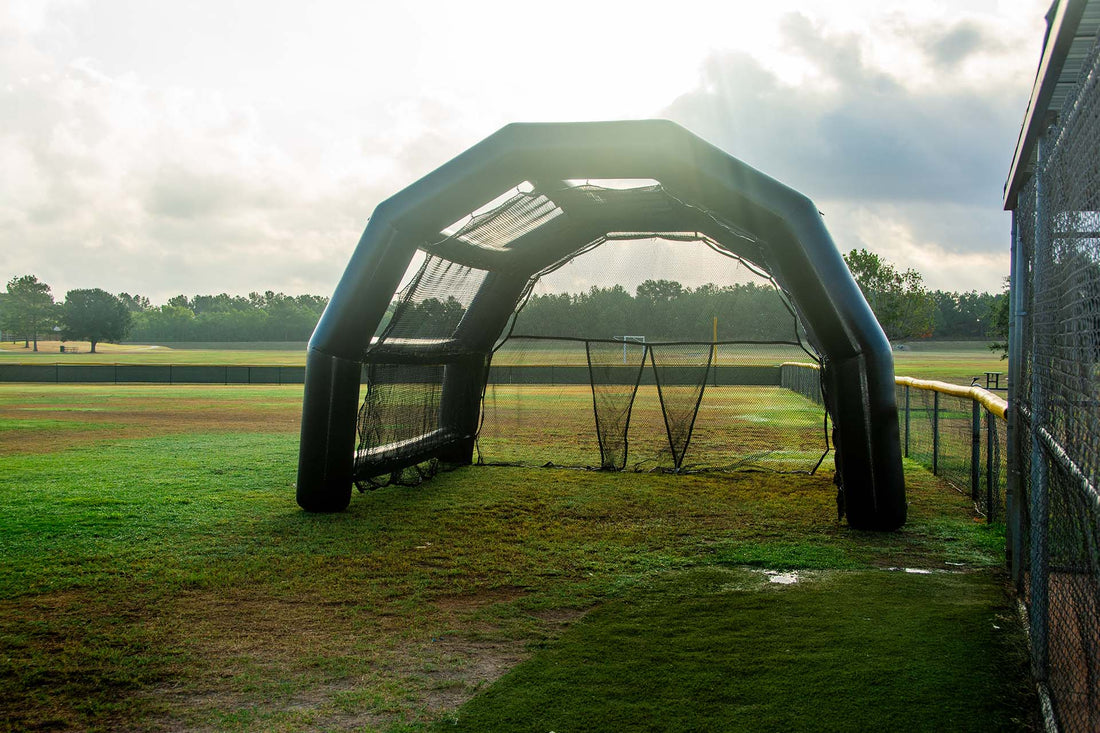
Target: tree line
(667, 310)
(662, 310)
(28, 312)
(658, 310)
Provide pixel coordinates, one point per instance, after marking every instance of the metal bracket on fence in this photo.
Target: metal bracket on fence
(907, 421)
(935, 433)
(975, 450)
(991, 477)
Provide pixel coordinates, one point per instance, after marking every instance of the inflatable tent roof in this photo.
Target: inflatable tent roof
(697, 189)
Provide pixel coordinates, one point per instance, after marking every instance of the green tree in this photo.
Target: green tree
(94, 315)
(999, 321)
(28, 308)
(660, 291)
(165, 323)
(902, 305)
(135, 303)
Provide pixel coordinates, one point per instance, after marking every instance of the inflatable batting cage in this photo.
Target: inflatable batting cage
(422, 357)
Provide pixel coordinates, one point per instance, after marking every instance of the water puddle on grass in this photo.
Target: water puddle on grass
(774, 576)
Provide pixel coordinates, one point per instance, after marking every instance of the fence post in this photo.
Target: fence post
(907, 421)
(991, 477)
(935, 433)
(1014, 444)
(975, 449)
(1038, 616)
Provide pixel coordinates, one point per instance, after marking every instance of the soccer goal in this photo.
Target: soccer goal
(471, 324)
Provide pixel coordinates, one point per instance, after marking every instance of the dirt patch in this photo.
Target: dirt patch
(155, 420)
(337, 665)
(467, 602)
(59, 669)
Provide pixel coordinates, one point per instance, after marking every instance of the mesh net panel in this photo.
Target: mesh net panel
(538, 407)
(434, 301)
(681, 372)
(614, 371)
(749, 419)
(497, 228)
(400, 407)
(598, 398)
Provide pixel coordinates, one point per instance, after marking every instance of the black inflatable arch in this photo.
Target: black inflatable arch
(720, 196)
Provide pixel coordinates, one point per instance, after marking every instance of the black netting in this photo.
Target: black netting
(539, 407)
(410, 426)
(614, 371)
(681, 372)
(650, 200)
(432, 304)
(501, 225)
(600, 398)
(400, 413)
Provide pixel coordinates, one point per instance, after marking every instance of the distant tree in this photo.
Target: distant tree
(660, 291)
(165, 323)
(28, 308)
(434, 318)
(135, 303)
(900, 302)
(94, 315)
(999, 322)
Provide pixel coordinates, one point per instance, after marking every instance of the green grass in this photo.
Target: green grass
(723, 649)
(158, 574)
(49, 353)
(956, 362)
(953, 361)
(184, 565)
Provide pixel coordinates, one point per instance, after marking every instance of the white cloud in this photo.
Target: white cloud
(241, 145)
(899, 168)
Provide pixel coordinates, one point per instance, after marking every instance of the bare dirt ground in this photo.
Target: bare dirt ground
(44, 420)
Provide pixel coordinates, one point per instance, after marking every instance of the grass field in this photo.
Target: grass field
(49, 352)
(954, 361)
(158, 576)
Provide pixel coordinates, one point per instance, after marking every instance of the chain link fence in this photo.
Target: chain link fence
(956, 432)
(1055, 416)
(959, 434)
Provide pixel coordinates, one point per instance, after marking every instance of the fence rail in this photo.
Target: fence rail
(956, 432)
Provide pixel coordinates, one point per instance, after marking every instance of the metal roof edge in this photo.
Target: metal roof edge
(1062, 29)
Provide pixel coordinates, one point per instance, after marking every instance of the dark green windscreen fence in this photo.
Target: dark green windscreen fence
(150, 374)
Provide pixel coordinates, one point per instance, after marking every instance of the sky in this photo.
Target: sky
(232, 146)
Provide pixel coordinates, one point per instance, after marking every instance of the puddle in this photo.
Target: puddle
(774, 576)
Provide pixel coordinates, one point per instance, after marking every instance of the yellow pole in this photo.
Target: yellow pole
(715, 341)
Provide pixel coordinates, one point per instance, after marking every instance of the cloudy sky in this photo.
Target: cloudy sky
(240, 145)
